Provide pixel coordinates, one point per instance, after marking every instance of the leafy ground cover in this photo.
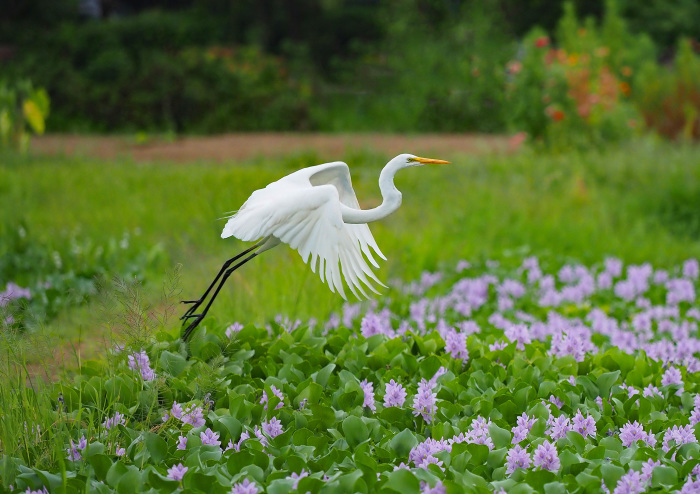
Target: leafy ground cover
(479, 378)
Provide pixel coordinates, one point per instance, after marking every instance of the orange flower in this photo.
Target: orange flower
(625, 88)
(626, 71)
(555, 113)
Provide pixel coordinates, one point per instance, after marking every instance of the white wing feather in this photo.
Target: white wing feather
(302, 210)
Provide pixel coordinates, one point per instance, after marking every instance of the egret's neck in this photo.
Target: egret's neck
(390, 194)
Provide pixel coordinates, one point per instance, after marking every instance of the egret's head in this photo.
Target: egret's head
(412, 160)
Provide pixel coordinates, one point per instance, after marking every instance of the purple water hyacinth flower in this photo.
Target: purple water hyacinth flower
(425, 401)
(651, 391)
(438, 488)
(373, 324)
(604, 281)
(368, 390)
(630, 483)
(277, 393)
(680, 435)
(471, 327)
(631, 390)
(75, 449)
(141, 363)
(505, 303)
(613, 266)
(272, 428)
(559, 427)
(296, 477)
(462, 265)
(631, 432)
(518, 457)
(523, 428)
(498, 345)
(680, 290)
(114, 421)
(245, 487)
(648, 468)
(556, 401)
(691, 486)
(74, 453)
(233, 329)
(672, 376)
(177, 472)
(426, 282)
(120, 451)
(691, 269)
(14, 292)
(422, 454)
(38, 491)
(518, 333)
(333, 321)
(176, 410)
(546, 457)
(394, 394)
(194, 416)
(584, 426)
(182, 442)
(210, 438)
(456, 345)
(431, 460)
(244, 436)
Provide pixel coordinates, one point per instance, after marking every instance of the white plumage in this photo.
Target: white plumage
(314, 211)
(304, 211)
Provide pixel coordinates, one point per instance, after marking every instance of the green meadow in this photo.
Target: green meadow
(639, 202)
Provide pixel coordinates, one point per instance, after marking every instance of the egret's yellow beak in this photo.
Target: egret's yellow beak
(429, 161)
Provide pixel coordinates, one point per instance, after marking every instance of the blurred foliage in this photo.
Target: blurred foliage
(22, 109)
(61, 274)
(205, 66)
(669, 97)
(588, 80)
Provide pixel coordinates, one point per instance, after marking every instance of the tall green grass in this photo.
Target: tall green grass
(639, 202)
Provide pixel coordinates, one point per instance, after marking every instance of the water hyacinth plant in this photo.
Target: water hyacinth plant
(486, 378)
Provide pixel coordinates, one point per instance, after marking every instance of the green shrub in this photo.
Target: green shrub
(22, 109)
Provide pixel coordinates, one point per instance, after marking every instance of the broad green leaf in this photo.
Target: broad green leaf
(355, 430)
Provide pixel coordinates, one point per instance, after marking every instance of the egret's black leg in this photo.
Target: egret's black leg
(198, 317)
(199, 302)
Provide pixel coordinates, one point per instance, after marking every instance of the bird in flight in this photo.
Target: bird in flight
(315, 211)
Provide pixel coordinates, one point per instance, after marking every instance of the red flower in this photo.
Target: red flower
(542, 41)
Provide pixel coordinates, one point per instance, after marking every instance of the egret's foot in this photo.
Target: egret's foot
(192, 326)
(190, 316)
(191, 301)
(193, 308)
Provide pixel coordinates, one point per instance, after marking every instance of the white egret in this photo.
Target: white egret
(315, 211)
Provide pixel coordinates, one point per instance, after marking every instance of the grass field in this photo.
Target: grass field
(639, 203)
(474, 352)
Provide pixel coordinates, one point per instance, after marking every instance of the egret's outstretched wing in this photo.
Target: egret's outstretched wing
(337, 174)
(308, 219)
